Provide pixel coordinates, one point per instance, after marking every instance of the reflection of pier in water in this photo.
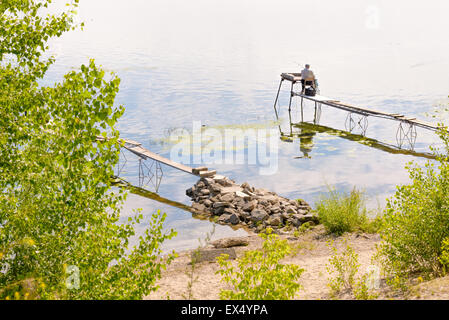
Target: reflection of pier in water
(121, 183)
(306, 131)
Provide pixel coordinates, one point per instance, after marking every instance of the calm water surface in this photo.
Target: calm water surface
(219, 62)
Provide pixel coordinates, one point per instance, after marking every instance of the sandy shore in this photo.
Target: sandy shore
(311, 252)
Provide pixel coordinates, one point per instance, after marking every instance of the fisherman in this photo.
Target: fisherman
(307, 75)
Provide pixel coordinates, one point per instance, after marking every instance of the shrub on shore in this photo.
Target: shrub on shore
(416, 221)
(260, 275)
(345, 268)
(340, 213)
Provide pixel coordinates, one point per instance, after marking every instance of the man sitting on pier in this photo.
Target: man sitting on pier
(307, 77)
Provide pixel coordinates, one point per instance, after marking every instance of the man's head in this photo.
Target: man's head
(307, 66)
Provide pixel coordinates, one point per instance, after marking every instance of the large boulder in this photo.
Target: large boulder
(250, 206)
(205, 192)
(190, 192)
(230, 242)
(199, 206)
(221, 204)
(258, 215)
(291, 210)
(216, 188)
(275, 220)
(275, 209)
(218, 211)
(227, 197)
(242, 195)
(229, 218)
(299, 219)
(207, 202)
(225, 182)
(200, 185)
(208, 181)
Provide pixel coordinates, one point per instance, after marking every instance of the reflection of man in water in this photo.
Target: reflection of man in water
(306, 142)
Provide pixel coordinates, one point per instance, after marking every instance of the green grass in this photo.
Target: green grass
(345, 212)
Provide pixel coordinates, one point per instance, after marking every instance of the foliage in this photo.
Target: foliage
(303, 228)
(361, 290)
(372, 225)
(60, 234)
(259, 274)
(398, 282)
(444, 257)
(345, 266)
(342, 213)
(416, 220)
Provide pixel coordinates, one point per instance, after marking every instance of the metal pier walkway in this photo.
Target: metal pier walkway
(367, 112)
(153, 173)
(295, 78)
(138, 150)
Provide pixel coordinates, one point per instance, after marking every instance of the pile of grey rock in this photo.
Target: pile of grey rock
(235, 204)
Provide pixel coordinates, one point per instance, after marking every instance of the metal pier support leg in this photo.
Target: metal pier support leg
(400, 135)
(120, 167)
(302, 109)
(406, 134)
(290, 116)
(291, 96)
(277, 97)
(317, 115)
(152, 174)
(158, 176)
(361, 122)
(141, 175)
